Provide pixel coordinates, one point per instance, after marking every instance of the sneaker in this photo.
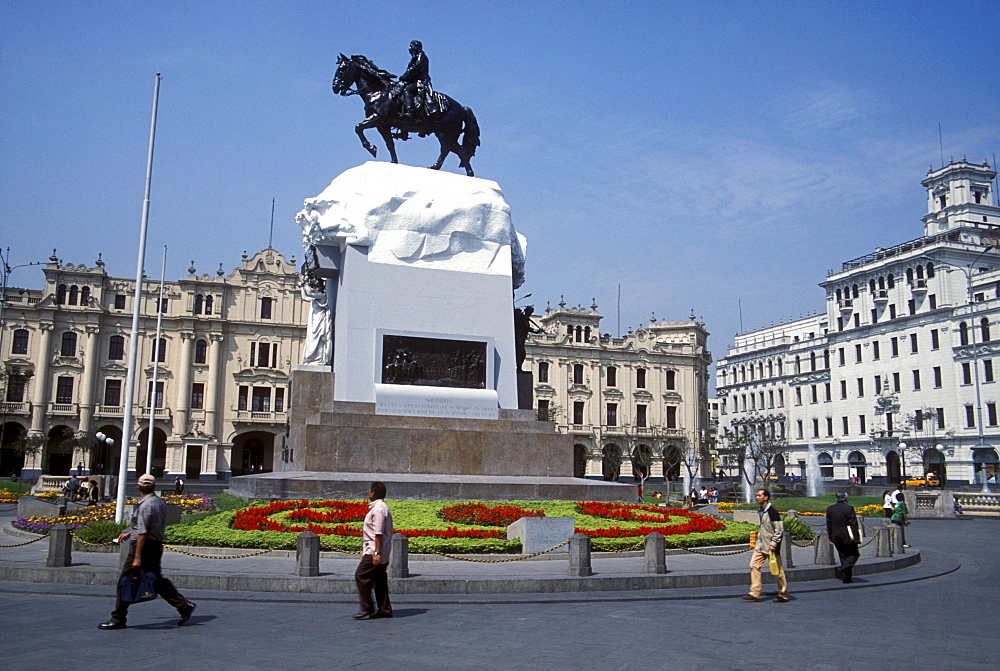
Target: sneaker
(111, 624)
(185, 612)
(780, 599)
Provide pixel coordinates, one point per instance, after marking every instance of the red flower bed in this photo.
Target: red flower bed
(487, 516)
(631, 512)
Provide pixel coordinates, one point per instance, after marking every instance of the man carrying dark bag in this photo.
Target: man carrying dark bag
(149, 519)
(842, 528)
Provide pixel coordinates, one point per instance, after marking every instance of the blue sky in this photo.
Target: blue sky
(704, 155)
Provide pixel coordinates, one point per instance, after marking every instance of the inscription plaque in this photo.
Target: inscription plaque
(433, 362)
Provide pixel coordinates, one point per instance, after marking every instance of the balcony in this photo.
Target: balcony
(161, 413)
(109, 411)
(881, 297)
(847, 306)
(919, 286)
(15, 408)
(63, 409)
(260, 417)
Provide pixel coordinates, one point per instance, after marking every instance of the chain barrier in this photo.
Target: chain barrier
(486, 561)
(250, 554)
(17, 545)
(800, 544)
(93, 545)
(709, 554)
(870, 540)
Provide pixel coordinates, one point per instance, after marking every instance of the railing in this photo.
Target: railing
(62, 409)
(972, 503)
(15, 407)
(109, 411)
(260, 416)
(161, 413)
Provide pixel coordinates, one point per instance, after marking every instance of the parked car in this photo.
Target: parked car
(929, 480)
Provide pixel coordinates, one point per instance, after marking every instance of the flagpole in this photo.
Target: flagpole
(133, 350)
(150, 443)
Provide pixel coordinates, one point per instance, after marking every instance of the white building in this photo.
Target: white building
(644, 393)
(899, 371)
(227, 346)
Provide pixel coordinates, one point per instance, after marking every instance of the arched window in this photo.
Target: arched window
(984, 327)
(826, 358)
(825, 465)
(854, 290)
(891, 282)
(881, 283)
(20, 344)
(578, 373)
(780, 367)
(208, 304)
(116, 348)
(930, 270)
(963, 334)
(68, 347)
(839, 295)
(586, 334)
(798, 364)
(200, 351)
(871, 286)
(920, 272)
(85, 296)
(569, 331)
(61, 295)
(579, 334)
(74, 294)
(812, 361)
(743, 373)
(770, 368)
(199, 302)
(909, 275)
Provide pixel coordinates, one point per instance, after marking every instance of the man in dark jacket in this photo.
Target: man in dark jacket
(416, 77)
(842, 528)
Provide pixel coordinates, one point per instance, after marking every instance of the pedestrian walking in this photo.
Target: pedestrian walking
(372, 572)
(149, 519)
(768, 543)
(844, 534)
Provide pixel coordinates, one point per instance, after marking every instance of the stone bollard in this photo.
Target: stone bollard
(824, 551)
(655, 555)
(883, 546)
(307, 555)
(399, 559)
(579, 555)
(60, 547)
(898, 539)
(786, 550)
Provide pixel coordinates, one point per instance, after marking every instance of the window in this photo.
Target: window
(279, 399)
(988, 370)
(671, 417)
(862, 427)
(892, 312)
(861, 387)
(937, 377)
(612, 376)
(888, 423)
(911, 307)
(61, 295)
(112, 393)
(640, 378)
(826, 392)
(119, 301)
(935, 339)
(163, 305)
(991, 414)
(242, 398)
(116, 348)
(918, 419)
(199, 304)
(843, 389)
(845, 426)
(963, 334)
(984, 326)
(878, 385)
(543, 410)
(578, 412)
(857, 353)
(940, 418)
(200, 351)
(895, 383)
(197, 396)
(932, 301)
(578, 376)
(160, 353)
(815, 428)
(814, 395)
(74, 294)
(781, 398)
(20, 343)
(966, 373)
(208, 304)
(970, 417)
(640, 416)
(840, 355)
(158, 400)
(612, 414)
(798, 396)
(543, 371)
(875, 352)
(913, 343)
(64, 390)
(15, 388)
(265, 308)
(68, 347)
(263, 354)
(260, 399)
(798, 428)
(829, 426)
(894, 345)
(916, 380)
(672, 378)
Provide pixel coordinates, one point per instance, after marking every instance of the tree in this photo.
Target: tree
(28, 446)
(921, 431)
(549, 412)
(754, 446)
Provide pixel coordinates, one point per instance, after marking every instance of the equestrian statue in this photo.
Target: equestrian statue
(408, 105)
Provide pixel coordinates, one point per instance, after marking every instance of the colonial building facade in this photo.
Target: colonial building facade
(897, 375)
(638, 402)
(227, 346)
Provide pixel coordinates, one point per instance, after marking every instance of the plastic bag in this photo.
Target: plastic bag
(772, 563)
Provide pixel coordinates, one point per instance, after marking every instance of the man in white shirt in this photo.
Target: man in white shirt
(372, 572)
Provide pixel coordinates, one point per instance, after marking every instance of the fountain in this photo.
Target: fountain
(812, 471)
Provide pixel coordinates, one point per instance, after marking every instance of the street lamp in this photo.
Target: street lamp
(968, 272)
(902, 463)
(107, 444)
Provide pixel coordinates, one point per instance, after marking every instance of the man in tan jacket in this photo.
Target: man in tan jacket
(768, 541)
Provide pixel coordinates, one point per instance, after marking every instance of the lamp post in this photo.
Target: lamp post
(107, 444)
(902, 463)
(968, 272)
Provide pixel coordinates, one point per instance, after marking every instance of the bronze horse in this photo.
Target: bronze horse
(383, 109)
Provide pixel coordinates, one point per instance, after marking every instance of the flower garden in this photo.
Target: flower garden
(85, 515)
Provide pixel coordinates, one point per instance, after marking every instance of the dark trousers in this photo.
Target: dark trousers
(849, 554)
(368, 577)
(152, 551)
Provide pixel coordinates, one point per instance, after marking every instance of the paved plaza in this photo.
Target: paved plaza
(941, 613)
